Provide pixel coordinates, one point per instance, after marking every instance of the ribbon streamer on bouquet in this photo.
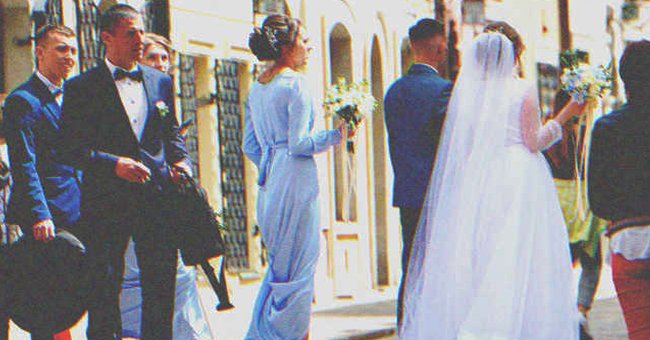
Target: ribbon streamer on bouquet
(593, 111)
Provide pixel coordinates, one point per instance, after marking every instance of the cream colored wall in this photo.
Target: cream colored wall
(18, 60)
(219, 29)
(589, 31)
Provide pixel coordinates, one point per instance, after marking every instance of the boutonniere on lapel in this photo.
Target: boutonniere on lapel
(162, 108)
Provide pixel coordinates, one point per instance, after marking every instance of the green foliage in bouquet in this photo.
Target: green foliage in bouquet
(349, 101)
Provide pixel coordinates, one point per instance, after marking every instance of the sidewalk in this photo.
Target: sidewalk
(347, 319)
(372, 318)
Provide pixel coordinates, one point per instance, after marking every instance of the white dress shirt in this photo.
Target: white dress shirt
(53, 88)
(134, 99)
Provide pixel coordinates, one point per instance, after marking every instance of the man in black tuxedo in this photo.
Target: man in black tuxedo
(119, 126)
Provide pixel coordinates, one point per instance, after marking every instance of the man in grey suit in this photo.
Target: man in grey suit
(415, 108)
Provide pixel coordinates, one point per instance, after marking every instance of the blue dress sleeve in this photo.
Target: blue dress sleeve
(251, 146)
(302, 141)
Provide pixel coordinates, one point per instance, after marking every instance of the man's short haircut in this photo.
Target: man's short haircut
(425, 29)
(47, 30)
(114, 14)
(635, 70)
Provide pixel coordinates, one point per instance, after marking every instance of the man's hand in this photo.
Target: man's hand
(132, 171)
(44, 230)
(178, 169)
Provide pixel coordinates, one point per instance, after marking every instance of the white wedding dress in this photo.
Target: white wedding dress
(490, 258)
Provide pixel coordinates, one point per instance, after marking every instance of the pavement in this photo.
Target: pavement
(371, 318)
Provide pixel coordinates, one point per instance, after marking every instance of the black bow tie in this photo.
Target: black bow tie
(57, 92)
(121, 74)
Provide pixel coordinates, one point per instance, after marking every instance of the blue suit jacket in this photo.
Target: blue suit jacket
(43, 188)
(619, 164)
(415, 107)
(96, 131)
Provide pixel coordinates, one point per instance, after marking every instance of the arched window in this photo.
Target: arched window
(345, 170)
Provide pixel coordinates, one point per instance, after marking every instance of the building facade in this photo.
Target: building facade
(355, 40)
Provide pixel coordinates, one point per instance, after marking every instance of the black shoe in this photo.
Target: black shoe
(584, 333)
(225, 306)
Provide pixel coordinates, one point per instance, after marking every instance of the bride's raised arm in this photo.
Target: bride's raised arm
(538, 137)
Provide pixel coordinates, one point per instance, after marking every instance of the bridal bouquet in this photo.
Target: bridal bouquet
(585, 84)
(349, 101)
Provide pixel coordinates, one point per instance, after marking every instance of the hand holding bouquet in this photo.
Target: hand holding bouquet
(586, 84)
(351, 102)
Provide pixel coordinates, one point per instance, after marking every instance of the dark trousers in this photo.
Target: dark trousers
(4, 325)
(157, 258)
(409, 218)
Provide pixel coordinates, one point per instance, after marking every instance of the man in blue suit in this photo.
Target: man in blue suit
(119, 126)
(415, 108)
(45, 193)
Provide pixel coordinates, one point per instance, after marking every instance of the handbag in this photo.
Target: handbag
(195, 223)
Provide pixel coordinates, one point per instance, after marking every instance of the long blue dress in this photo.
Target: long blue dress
(278, 138)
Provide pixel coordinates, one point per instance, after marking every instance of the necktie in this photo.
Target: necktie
(134, 75)
(57, 93)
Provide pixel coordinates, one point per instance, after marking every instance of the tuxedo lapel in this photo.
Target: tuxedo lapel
(53, 111)
(50, 107)
(114, 103)
(150, 88)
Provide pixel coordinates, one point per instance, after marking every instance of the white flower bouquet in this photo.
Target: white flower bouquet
(349, 101)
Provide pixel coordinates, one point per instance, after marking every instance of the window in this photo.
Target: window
(268, 7)
(88, 34)
(548, 83)
(473, 12)
(233, 183)
(2, 51)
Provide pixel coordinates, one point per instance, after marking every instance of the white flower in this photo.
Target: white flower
(343, 96)
(162, 108)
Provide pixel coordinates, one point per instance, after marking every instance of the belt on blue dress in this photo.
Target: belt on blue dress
(268, 152)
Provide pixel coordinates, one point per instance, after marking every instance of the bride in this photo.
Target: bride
(490, 259)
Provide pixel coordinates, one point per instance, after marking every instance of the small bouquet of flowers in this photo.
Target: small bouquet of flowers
(349, 101)
(585, 84)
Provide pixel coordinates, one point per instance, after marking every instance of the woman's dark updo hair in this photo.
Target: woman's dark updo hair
(276, 31)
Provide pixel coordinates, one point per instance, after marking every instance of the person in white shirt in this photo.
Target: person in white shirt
(119, 125)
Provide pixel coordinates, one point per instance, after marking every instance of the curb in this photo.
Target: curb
(374, 334)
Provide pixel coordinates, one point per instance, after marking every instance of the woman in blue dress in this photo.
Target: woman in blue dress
(279, 140)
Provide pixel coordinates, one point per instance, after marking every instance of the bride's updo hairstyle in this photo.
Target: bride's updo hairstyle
(276, 31)
(507, 30)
